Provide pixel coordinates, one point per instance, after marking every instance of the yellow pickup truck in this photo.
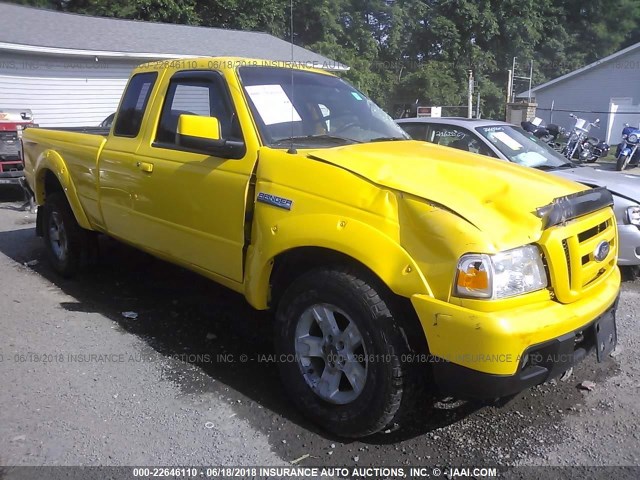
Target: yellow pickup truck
(388, 262)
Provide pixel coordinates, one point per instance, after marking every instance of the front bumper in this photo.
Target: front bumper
(12, 177)
(488, 354)
(538, 364)
(628, 245)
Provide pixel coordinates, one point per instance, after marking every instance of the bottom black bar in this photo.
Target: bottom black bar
(291, 471)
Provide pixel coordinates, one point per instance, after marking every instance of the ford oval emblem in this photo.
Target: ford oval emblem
(601, 251)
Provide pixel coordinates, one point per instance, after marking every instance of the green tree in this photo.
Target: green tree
(401, 51)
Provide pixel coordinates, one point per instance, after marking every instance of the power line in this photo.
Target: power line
(585, 111)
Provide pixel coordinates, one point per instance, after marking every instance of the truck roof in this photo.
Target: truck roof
(15, 115)
(229, 63)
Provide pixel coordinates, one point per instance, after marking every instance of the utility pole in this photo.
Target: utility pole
(530, 79)
(470, 100)
(478, 105)
(513, 75)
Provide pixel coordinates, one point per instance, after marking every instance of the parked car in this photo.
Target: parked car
(509, 142)
(12, 122)
(377, 256)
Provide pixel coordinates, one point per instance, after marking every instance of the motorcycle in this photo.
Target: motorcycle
(581, 146)
(547, 133)
(627, 152)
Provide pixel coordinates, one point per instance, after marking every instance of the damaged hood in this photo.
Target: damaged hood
(498, 197)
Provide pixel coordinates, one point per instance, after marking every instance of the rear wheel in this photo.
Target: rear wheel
(622, 162)
(342, 353)
(62, 235)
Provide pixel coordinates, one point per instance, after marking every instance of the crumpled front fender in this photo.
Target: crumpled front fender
(380, 253)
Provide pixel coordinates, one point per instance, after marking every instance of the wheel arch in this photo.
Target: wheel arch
(285, 273)
(303, 243)
(52, 175)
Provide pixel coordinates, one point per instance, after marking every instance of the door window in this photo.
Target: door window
(197, 93)
(417, 131)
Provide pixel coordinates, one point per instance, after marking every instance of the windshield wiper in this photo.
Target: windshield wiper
(388, 139)
(315, 139)
(568, 165)
(562, 166)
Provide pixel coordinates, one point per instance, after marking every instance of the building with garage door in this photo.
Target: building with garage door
(608, 89)
(70, 70)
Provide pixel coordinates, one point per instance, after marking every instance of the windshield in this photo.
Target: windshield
(316, 111)
(523, 147)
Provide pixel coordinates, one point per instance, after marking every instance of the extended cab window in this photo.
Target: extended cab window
(196, 93)
(134, 103)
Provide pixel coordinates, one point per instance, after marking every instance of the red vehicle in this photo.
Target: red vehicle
(12, 122)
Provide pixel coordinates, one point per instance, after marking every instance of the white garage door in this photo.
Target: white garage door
(63, 91)
(623, 111)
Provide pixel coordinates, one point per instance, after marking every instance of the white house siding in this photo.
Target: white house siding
(63, 91)
(592, 91)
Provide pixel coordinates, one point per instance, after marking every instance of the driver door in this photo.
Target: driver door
(193, 204)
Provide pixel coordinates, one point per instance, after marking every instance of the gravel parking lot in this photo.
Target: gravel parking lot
(189, 381)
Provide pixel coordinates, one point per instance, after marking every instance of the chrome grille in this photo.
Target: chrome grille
(9, 144)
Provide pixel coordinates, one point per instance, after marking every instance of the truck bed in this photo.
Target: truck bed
(79, 148)
(104, 131)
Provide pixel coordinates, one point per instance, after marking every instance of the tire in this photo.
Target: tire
(630, 273)
(622, 162)
(62, 235)
(353, 308)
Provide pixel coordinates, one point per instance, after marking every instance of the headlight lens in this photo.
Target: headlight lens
(503, 275)
(633, 138)
(633, 215)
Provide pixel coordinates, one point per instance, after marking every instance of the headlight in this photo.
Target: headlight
(633, 215)
(502, 275)
(633, 138)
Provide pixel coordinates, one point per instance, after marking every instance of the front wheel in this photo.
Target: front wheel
(622, 162)
(341, 352)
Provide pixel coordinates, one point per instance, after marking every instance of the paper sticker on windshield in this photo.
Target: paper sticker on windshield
(449, 133)
(273, 104)
(507, 140)
(356, 95)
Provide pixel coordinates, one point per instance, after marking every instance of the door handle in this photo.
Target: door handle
(145, 166)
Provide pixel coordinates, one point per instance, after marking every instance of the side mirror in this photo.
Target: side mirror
(203, 134)
(196, 131)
